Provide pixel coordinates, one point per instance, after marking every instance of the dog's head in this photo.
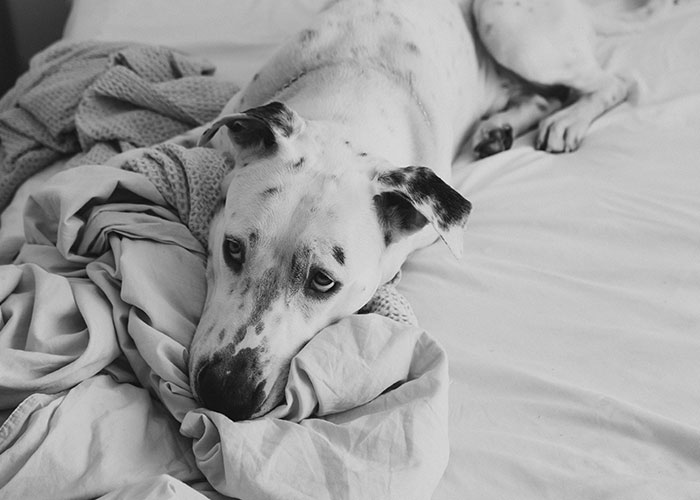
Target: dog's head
(307, 230)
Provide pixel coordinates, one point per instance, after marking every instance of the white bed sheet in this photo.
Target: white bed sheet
(572, 323)
(237, 36)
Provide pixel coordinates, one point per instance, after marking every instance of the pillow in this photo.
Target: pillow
(238, 36)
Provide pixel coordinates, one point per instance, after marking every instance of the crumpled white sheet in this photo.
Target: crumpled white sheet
(106, 294)
(395, 446)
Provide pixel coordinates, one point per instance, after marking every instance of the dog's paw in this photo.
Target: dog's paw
(490, 139)
(561, 132)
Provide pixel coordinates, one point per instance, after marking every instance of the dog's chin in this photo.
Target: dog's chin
(275, 398)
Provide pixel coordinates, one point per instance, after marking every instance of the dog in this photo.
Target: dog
(343, 144)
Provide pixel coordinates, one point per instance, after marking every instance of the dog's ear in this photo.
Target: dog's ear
(411, 197)
(257, 130)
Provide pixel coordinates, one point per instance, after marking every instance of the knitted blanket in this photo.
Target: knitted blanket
(90, 100)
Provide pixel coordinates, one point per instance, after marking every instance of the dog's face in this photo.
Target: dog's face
(307, 230)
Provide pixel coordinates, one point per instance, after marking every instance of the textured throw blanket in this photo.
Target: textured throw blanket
(98, 99)
(97, 313)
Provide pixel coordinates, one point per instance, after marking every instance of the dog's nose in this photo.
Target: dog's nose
(230, 385)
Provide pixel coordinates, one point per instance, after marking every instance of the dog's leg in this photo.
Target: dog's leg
(496, 133)
(564, 130)
(552, 44)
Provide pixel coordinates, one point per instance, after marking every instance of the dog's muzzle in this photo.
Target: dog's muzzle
(232, 384)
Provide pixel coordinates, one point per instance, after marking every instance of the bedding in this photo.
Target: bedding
(93, 290)
(98, 243)
(570, 326)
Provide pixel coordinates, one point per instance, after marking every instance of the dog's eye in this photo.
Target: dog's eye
(234, 248)
(234, 253)
(321, 282)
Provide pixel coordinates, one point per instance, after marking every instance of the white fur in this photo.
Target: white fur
(376, 85)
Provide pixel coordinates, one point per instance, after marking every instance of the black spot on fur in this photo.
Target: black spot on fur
(240, 334)
(253, 239)
(339, 255)
(256, 76)
(362, 154)
(412, 48)
(299, 163)
(259, 328)
(422, 185)
(265, 291)
(270, 192)
(277, 115)
(267, 120)
(252, 134)
(387, 238)
(393, 178)
(308, 35)
(397, 215)
(209, 331)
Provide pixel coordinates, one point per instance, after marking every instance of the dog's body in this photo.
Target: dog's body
(330, 193)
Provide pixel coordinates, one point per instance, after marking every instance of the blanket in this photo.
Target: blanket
(98, 99)
(97, 312)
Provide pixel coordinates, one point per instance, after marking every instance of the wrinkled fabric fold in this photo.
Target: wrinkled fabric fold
(366, 445)
(91, 100)
(99, 309)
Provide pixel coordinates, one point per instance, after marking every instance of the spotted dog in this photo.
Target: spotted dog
(343, 145)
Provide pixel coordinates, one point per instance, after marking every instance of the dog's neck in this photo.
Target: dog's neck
(402, 130)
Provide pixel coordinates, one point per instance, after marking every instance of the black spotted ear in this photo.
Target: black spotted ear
(257, 130)
(411, 197)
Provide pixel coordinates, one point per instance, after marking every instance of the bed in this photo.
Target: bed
(565, 342)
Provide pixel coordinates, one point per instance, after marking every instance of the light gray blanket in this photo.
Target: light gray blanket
(91, 100)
